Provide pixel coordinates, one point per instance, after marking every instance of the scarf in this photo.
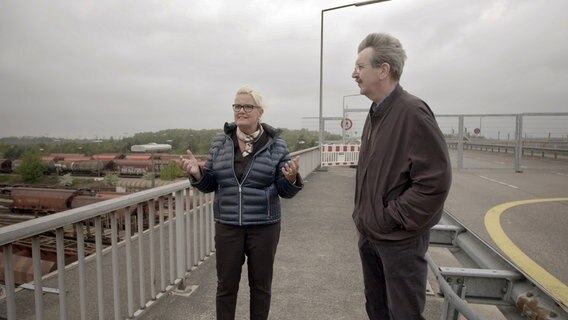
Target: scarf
(249, 139)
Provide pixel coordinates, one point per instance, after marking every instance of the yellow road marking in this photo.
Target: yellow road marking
(536, 272)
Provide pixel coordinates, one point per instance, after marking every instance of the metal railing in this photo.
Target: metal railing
(519, 129)
(309, 160)
(543, 152)
(157, 237)
(486, 278)
(143, 216)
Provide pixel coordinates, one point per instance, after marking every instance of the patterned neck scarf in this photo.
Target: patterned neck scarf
(249, 139)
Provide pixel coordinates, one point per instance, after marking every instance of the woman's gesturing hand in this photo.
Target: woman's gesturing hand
(290, 169)
(189, 165)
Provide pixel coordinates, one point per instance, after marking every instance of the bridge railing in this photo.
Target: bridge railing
(542, 152)
(520, 130)
(485, 277)
(157, 237)
(166, 231)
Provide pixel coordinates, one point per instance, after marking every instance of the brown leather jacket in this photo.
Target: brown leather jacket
(404, 172)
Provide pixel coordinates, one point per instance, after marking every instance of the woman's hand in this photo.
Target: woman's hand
(290, 169)
(190, 166)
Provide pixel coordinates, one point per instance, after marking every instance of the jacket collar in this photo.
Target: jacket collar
(231, 127)
(387, 102)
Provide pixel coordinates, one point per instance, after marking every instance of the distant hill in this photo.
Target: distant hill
(199, 141)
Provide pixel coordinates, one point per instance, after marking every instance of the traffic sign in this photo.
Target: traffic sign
(346, 124)
(477, 131)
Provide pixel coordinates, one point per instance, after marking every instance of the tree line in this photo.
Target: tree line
(199, 141)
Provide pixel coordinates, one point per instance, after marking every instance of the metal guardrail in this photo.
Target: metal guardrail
(486, 278)
(186, 213)
(179, 216)
(309, 160)
(507, 148)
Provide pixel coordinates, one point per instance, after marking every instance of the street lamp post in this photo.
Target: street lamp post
(357, 4)
(151, 147)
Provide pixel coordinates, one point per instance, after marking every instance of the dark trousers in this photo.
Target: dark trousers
(395, 275)
(232, 244)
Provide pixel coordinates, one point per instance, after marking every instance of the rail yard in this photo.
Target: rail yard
(23, 203)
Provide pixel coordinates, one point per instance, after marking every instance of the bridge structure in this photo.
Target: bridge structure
(161, 259)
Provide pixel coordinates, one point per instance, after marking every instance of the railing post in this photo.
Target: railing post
(194, 228)
(171, 240)
(180, 238)
(59, 242)
(460, 142)
(519, 142)
(9, 279)
(99, 262)
(190, 194)
(115, 274)
(449, 310)
(141, 273)
(151, 223)
(162, 246)
(82, 272)
(128, 241)
(201, 226)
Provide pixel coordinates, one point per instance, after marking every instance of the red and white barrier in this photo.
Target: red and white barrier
(333, 155)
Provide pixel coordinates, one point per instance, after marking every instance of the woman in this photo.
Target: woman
(249, 168)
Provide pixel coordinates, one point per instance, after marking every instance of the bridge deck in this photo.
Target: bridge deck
(317, 269)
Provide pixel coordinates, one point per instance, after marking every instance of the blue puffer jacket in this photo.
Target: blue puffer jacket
(256, 200)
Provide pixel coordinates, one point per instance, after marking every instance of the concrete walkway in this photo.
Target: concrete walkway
(317, 270)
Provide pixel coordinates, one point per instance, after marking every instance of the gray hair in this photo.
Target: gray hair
(386, 49)
(256, 96)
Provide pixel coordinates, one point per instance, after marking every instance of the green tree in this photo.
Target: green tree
(31, 169)
(171, 171)
(111, 179)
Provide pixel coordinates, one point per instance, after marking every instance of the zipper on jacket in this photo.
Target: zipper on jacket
(240, 184)
(240, 205)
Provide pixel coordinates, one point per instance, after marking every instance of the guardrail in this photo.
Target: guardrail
(185, 213)
(309, 160)
(178, 215)
(486, 278)
(508, 148)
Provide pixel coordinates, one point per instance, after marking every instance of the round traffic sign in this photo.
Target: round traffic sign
(346, 124)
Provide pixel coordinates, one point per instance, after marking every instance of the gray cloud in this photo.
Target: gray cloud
(106, 68)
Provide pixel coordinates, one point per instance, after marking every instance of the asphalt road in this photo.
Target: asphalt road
(537, 229)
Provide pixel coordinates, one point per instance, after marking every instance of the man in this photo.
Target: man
(403, 178)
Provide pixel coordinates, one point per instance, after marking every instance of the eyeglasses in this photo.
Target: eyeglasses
(247, 107)
(358, 68)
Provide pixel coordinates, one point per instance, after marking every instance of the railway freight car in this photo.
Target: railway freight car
(138, 168)
(84, 167)
(108, 156)
(89, 198)
(41, 200)
(47, 201)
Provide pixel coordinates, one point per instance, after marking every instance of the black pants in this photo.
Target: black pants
(232, 244)
(395, 275)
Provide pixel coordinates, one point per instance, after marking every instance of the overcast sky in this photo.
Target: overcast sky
(113, 68)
